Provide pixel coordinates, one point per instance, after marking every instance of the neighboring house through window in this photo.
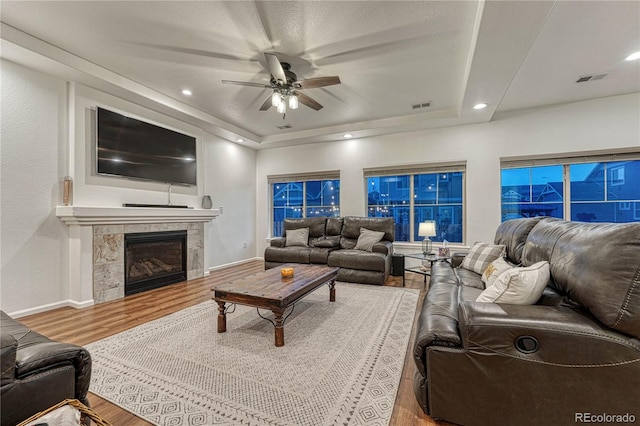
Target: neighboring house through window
(298, 196)
(597, 188)
(414, 194)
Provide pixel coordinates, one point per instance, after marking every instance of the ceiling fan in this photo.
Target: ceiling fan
(286, 86)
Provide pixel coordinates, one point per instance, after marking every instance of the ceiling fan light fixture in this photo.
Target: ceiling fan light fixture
(282, 107)
(293, 102)
(276, 99)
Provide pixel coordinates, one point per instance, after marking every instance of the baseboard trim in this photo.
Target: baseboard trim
(227, 265)
(50, 306)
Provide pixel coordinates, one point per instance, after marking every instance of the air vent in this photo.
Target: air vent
(286, 126)
(422, 105)
(593, 77)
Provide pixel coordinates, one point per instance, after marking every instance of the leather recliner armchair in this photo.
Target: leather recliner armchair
(38, 372)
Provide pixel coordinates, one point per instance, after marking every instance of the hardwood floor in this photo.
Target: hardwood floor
(82, 326)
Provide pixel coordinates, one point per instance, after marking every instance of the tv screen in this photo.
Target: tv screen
(135, 149)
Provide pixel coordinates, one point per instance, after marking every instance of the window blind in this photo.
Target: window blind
(413, 169)
(572, 158)
(301, 177)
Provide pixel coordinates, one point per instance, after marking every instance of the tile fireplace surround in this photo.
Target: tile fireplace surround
(96, 245)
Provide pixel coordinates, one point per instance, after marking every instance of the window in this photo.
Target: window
(303, 196)
(414, 194)
(574, 188)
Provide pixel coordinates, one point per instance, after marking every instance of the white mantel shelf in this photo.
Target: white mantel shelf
(79, 215)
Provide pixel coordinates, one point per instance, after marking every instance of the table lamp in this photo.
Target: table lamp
(427, 229)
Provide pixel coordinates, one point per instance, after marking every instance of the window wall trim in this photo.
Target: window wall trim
(301, 177)
(629, 154)
(414, 169)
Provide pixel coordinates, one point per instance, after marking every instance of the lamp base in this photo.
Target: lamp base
(426, 247)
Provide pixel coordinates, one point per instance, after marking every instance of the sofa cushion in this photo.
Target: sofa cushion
(294, 254)
(358, 259)
(494, 270)
(513, 234)
(367, 239)
(518, 286)
(316, 225)
(352, 225)
(595, 264)
(326, 243)
(297, 237)
(481, 255)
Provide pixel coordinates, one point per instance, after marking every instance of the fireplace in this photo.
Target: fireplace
(154, 259)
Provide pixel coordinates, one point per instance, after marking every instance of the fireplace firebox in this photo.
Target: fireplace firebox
(154, 259)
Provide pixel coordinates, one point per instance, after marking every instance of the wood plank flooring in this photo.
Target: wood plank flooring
(82, 326)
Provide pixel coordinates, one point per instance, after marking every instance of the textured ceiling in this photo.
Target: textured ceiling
(388, 55)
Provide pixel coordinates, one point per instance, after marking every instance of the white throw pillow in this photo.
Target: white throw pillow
(518, 286)
(297, 237)
(494, 270)
(368, 238)
(481, 255)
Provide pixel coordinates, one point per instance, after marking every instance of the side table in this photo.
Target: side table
(422, 270)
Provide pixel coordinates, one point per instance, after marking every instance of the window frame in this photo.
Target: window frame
(418, 169)
(303, 178)
(566, 161)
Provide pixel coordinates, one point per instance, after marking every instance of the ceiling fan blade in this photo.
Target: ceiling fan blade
(267, 104)
(313, 83)
(275, 68)
(247, 83)
(306, 100)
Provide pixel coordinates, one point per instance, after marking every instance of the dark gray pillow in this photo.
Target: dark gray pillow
(368, 238)
(297, 237)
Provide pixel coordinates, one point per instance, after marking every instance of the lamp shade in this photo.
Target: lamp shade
(427, 229)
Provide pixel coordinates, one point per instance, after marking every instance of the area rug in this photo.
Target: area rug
(341, 363)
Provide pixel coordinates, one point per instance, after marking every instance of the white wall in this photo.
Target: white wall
(606, 123)
(32, 242)
(42, 142)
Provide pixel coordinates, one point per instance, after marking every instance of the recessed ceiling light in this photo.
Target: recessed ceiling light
(186, 92)
(633, 56)
(480, 106)
(347, 135)
(239, 140)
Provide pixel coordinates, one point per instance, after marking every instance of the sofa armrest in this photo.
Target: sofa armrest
(384, 247)
(554, 335)
(457, 258)
(8, 358)
(38, 357)
(277, 242)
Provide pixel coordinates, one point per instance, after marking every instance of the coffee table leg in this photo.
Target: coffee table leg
(222, 318)
(332, 291)
(279, 327)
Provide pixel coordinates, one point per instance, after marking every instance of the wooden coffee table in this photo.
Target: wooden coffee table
(268, 290)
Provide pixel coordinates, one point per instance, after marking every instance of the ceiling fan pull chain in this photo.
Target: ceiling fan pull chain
(284, 116)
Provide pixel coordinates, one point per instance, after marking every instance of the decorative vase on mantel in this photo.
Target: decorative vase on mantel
(206, 202)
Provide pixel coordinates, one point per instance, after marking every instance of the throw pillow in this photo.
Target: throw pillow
(367, 239)
(297, 237)
(481, 255)
(494, 270)
(518, 286)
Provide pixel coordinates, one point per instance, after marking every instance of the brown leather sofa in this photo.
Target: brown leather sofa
(332, 241)
(38, 372)
(573, 355)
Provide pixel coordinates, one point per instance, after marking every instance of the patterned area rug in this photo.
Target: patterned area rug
(341, 363)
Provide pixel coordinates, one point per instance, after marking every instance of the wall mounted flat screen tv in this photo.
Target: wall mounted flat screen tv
(132, 148)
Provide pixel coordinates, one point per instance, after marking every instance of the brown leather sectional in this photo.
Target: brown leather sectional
(332, 241)
(572, 357)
